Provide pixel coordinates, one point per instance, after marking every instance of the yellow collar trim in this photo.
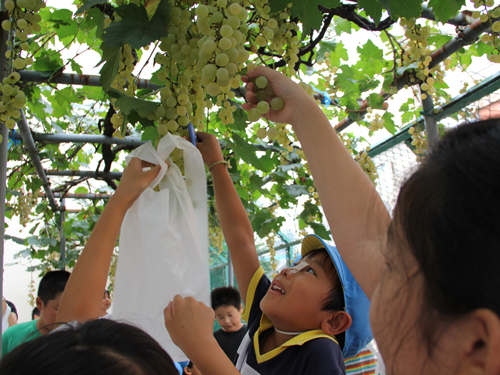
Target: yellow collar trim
(301, 339)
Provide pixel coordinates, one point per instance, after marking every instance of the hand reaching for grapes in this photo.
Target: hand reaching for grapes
(134, 180)
(209, 147)
(297, 102)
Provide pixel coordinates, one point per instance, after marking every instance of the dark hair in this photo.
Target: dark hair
(335, 298)
(225, 296)
(52, 284)
(106, 292)
(35, 312)
(96, 347)
(448, 214)
(12, 308)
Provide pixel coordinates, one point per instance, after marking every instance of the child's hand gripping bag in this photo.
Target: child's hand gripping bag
(164, 242)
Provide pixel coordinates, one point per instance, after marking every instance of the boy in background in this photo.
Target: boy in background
(226, 302)
(50, 291)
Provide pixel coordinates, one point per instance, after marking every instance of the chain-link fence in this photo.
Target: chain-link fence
(393, 167)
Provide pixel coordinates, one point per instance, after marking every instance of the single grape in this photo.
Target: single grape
(209, 46)
(172, 125)
(213, 89)
(235, 8)
(277, 104)
(262, 107)
(202, 11)
(162, 129)
(226, 31)
(171, 102)
(222, 59)
(261, 133)
(222, 74)
(272, 133)
(21, 23)
(225, 44)
(19, 63)
(6, 24)
(261, 82)
(10, 123)
(209, 71)
(9, 4)
(253, 115)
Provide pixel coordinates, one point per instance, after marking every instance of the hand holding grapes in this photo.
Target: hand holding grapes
(296, 102)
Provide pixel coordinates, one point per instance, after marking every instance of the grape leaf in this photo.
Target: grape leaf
(445, 9)
(405, 8)
(89, 4)
(306, 11)
(136, 28)
(320, 230)
(372, 58)
(149, 134)
(247, 153)
(389, 123)
(128, 104)
(373, 8)
(110, 55)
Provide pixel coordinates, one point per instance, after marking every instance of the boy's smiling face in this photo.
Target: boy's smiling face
(296, 296)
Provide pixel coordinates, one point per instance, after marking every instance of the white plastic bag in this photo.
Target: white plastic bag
(164, 242)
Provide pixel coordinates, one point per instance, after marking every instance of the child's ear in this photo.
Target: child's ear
(241, 308)
(39, 303)
(480, 335)
(337, 322)
(187, 370)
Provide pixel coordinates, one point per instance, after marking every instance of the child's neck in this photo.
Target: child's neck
(271, 339)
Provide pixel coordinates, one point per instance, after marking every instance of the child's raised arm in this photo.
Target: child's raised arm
(357, 216)
(233, 217)
(82, 296)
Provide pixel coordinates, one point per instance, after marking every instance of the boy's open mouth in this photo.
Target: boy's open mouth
(277, 288)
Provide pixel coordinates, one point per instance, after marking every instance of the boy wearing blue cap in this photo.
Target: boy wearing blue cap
(299, 323)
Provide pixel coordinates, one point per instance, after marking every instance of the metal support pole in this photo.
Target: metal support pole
(62, 258)
(230, 271)
(80, 196)
(35, 159)
(75, 79)
(93, 174)
(83, 138)
(3, 158)
(431, 128)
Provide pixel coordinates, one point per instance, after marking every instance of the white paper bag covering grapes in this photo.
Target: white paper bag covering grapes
(164, 242)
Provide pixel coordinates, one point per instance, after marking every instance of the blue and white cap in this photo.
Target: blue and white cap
(357, 305)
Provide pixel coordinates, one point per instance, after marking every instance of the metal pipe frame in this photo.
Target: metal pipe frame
(82, 138)
(75, 79)
(3, 159)
(62, 248)
(466, 37)
(92, 174)
(29, 143)
(431, 128)
(79, 195)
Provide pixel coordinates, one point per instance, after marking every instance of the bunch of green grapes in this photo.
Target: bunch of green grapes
(367, 165)
(22, 21)
(417, 50)
(377, 122)
(24, 206)
(419, 141)
(486, 14)
(124, 82)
